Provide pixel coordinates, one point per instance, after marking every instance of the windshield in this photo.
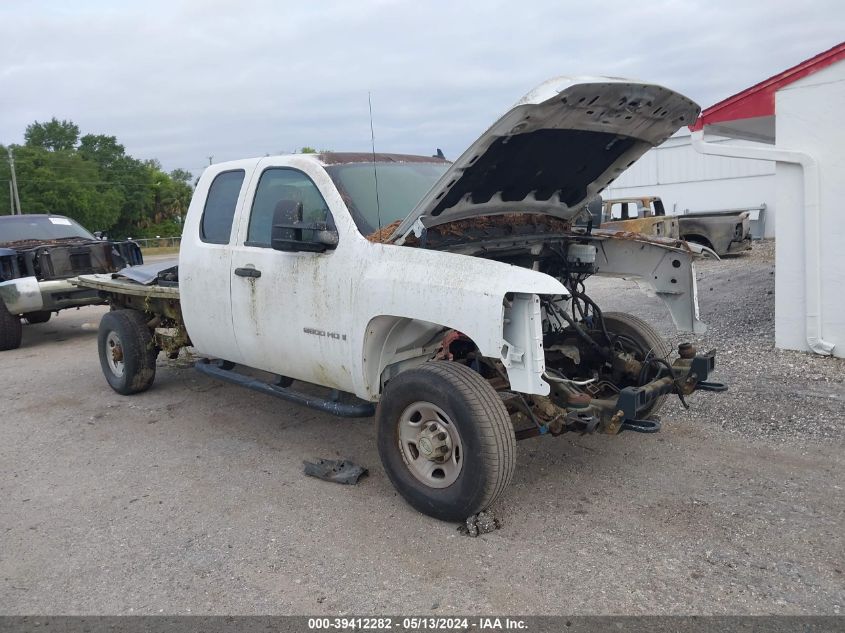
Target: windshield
(400, 187)
(18, 228)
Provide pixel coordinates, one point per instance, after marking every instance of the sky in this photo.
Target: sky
(181, 81)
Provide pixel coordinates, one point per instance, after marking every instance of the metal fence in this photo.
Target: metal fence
(157, 242)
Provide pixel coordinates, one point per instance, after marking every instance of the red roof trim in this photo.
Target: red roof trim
(759, 99)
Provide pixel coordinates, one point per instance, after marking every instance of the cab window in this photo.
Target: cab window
(624, 210)
(220, 205)
(282, 185)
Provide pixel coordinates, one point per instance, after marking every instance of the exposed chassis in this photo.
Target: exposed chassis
(160, 303)
(612, 416)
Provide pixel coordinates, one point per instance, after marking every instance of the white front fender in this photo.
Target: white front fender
(441, 291)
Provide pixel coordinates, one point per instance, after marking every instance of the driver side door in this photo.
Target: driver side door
(288, 307)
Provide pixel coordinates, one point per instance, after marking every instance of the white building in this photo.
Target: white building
(780, 142)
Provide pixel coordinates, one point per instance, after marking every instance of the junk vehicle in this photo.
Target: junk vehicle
(39, 254)
(725, 232)
(446, 299)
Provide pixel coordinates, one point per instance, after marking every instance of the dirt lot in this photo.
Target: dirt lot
(190, 498)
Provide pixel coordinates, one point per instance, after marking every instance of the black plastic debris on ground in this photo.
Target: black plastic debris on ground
(480, 523)
(340, 471)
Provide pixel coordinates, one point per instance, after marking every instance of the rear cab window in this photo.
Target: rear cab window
(624, 211)
(220, 205)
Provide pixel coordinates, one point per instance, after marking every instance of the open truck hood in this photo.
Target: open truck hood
(553, 151)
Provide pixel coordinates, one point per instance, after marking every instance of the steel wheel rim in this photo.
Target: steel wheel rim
(114, 354)
(421, 427)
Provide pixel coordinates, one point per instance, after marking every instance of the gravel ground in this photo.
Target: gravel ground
(773, 393)
(190, 498)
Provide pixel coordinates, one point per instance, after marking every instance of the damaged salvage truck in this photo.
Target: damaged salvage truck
(39, 255)
(447, 299)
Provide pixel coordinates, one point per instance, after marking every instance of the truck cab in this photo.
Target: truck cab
(639, 215)
(319, 304)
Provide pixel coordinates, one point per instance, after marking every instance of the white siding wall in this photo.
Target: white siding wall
(809, 119)
(689, 181)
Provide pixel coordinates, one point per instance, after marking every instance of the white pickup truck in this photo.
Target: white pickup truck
(447, 299)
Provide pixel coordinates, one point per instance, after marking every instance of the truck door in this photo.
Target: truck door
(290, 310)
(205, 262)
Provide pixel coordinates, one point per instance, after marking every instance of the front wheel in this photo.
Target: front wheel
(445, 440)
(10, 329)
(127, 352)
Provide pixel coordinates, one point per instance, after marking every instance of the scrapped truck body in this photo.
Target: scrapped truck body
(723, 232)
(39, 254)
(450, 302)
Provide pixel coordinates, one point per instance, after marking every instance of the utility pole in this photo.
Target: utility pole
(11, 199)
(210, 159)
(14, 186)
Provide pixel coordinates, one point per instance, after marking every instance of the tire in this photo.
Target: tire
(127, 352)
(462, 405)
(646, 336)
(10, 329)
(42, 316)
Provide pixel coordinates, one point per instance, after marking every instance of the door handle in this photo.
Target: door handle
(248, 272)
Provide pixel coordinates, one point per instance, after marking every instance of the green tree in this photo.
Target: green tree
(182, 175)
(136, 184)
(5, 180)
(94, 181)
(103, 150)
(62, 182)
(53, 135)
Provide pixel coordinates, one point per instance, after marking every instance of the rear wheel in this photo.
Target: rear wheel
(42, 316)
(646, 338)
(127, 351)
(10, 329)
(445, 440)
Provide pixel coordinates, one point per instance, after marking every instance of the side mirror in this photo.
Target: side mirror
(98, 235)
(291, 234)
